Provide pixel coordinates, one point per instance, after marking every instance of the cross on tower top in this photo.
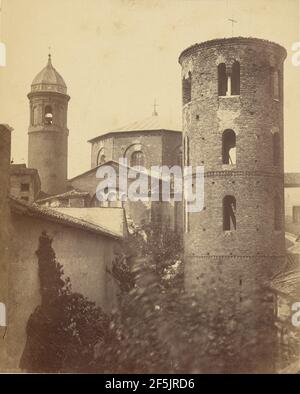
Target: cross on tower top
(233, 21)
(155, 105)
(49, 54)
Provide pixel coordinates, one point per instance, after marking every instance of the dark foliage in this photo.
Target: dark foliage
(63, 331)
(158, 328)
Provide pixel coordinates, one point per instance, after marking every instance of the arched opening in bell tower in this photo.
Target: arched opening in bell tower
(235, 79)
(229, 147)
(222, 80)
(229, 213)
(187, 88)
(48, 115)
(275, 77)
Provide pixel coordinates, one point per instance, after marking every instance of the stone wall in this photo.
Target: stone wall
(5, 144)
(27, 176)
(84, 256)
(159, 147)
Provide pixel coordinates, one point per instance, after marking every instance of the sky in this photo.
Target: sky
(117, 56)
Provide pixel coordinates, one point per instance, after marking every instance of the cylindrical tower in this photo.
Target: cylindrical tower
(233, 126)
(48, 132)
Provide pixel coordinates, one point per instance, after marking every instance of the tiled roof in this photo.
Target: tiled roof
(21, 169)
(152, 123)
(66, 218)
(69, 194)
(110, 219)
(116, 165)
(287, 283)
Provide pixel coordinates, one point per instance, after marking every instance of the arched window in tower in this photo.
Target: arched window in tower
(229, 213)
(229, 147)
(187, 88)
(101, 157)
(277, 214)
(235, 79)
(222, 79)
(48, 115)
(35, 115)
(137, 159)
(276, 149)
(275, 76)
(31, 115)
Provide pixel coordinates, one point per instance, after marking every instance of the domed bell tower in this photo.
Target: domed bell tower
(48, 132)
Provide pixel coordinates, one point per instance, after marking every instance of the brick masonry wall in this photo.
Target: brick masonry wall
(5, 145)
(48, 144)
(172, 143)
(15, 186)
(48, 153)
(159, 147)
(104, 144)
(254, 116)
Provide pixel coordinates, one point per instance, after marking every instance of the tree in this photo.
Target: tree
(161, 329)
(63, 331)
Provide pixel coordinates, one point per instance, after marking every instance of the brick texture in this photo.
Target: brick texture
(249, 256)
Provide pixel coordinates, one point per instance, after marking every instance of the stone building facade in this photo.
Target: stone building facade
(233, 126)
(149, 142)
(25, 183)
(139, 213)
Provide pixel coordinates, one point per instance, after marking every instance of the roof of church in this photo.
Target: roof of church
(73, 217)
(151, 123)
(49, 80)
(112, 220)
(107, 163)
(69, 194)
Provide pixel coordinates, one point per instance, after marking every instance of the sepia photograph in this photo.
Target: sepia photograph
(149, 189)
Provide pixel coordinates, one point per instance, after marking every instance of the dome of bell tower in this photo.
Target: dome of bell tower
(49, 80)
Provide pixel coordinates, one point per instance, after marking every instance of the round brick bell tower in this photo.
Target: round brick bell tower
(48, 132)
(233, 126)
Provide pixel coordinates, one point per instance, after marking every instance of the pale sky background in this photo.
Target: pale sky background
(116, 56)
